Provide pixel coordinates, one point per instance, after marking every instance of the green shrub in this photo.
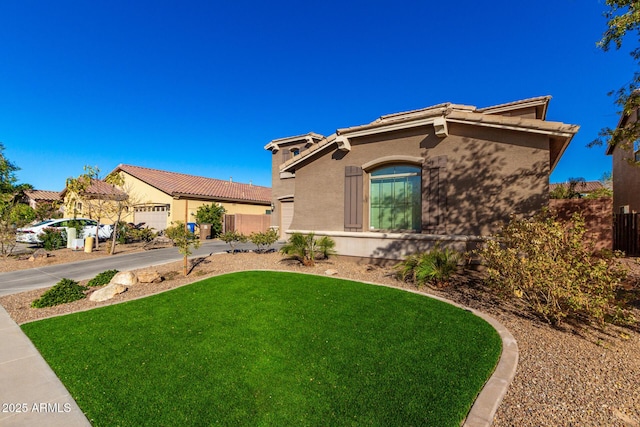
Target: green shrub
(264, 240)
(548, 265)
(129, 234)
(184, 239)
(211, 214)
(102, 278)
(307, 249)
(122, 232)
(233, 238)
(53, 239)
(435, 267)
(141, 234)
(66, 290)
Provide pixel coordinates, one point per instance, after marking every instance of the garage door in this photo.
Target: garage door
(286, 216)
(153, 216)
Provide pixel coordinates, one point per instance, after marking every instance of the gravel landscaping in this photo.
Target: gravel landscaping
(570, 376)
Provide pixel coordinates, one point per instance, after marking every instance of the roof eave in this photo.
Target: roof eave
(181, 196)
(311, 136)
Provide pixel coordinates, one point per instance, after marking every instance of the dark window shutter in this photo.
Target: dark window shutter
(285, 155)
(353, 198)
(434, 195)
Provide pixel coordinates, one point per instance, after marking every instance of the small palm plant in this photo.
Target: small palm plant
(435, 267)
(306, 248)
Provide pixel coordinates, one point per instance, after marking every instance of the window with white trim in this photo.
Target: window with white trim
(395, 198)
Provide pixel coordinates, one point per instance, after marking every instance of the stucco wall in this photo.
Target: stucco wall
(491, 174)
(626, 181)
(598, 216)
(319, 192)
(280, 187)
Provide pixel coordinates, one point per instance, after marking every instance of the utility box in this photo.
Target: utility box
(205, 231)
(71, 236)
(77, 244)
(88, 244)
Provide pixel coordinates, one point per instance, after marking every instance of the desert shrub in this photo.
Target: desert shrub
(53, 239)
(264, 240)
(141, 234)
(129, 234)
(66, 290)
(122, 232)
(102, 278)
(184, 239)
(233, 238)
(435, 267)
(548, 265)
(307, 249)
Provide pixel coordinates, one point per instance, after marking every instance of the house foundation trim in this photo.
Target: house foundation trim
(392, 246)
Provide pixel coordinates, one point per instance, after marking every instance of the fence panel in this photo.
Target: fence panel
(626, 235)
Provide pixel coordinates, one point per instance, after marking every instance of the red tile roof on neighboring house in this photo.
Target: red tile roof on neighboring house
(183, 185)
(101, 190)
(43, 195)
(581, 186)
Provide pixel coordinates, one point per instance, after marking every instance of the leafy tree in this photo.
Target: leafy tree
(623, 17)
(568, 191)
(264, 240)
(183, 239)
(211, 214)
(233, 238)
(13, 214)
(46, 210)
(119, 205)
(98, 206)
(607, 187)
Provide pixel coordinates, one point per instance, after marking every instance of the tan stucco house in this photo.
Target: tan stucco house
(626, 175)
(448, 173)
(99, 201)
(162, 196)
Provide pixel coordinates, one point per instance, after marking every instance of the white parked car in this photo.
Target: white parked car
(32, 233)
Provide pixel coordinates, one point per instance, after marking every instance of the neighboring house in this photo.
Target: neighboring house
(626, 176)
(36, 197)
(584, 188)
(98, 201)
(162, 197)
(447, 173)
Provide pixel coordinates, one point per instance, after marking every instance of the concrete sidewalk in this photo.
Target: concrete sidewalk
(30, 393)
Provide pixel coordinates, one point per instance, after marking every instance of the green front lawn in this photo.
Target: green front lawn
(272, 349)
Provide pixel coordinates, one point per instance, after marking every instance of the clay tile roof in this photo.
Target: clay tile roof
(43, 195)
(102, 189)
(179, 184)
(582, 186)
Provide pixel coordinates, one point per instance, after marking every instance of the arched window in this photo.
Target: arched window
(396, 202)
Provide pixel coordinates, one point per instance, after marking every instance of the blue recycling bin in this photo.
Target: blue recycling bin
(192, 226)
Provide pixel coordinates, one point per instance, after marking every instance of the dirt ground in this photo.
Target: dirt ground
(571, 376)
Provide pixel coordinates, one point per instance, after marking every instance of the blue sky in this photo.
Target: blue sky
(200, 87)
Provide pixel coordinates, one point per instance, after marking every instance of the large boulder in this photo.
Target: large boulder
(108, 292)
(126, 278)
(149, 276)
(38, 254)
